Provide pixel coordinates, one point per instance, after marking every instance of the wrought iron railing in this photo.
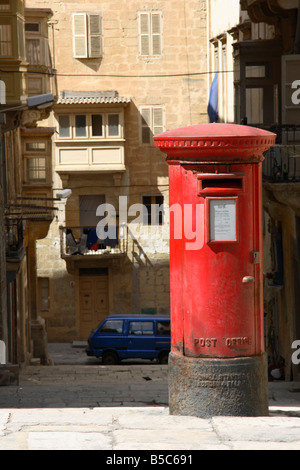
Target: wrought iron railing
(282, 164)
(287, 134)
(85, 241)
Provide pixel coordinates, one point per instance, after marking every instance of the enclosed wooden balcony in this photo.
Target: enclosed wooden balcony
(90, 132)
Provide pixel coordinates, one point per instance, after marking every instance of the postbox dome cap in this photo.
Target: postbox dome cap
(216, 141)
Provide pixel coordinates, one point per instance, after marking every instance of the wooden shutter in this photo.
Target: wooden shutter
(158, 121)
(156, 33)
(146, 125)
(2, 92)
(152, 122)
(145, 33)
(95, 35)
(80, 35)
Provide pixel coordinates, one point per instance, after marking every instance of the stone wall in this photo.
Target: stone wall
(177, 81)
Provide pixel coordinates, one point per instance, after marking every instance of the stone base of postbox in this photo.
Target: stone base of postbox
(206, 387)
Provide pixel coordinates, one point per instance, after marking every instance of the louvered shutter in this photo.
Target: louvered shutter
(2, 92)
(152, 122)
(158, 121)
(95, 35)
(80, 35)
(146, 125)
(145, 34)
(156, 33)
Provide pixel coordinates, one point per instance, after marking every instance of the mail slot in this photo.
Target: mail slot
(219, 184)
(216, 277)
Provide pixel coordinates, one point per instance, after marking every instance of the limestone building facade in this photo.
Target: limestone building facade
(125, 71)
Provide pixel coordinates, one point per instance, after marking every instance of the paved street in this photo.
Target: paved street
(88, 386)
(77, 380)
(78, 404)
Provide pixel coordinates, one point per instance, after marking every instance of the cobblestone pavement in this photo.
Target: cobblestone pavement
(75, 380)
(78, 404)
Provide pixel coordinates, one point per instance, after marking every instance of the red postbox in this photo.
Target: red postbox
(217, 361)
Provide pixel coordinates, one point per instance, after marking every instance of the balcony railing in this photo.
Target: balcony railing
(84, 241)
(282, 164)
(287, 134)
(14, 240)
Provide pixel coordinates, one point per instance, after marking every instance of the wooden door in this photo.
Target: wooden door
(93, 303)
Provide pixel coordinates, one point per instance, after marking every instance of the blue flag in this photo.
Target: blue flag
(213, 103)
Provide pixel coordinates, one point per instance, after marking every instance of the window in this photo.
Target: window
(87, 35)
(290, 77)
(141, 328)
(152, 123)
(35, 146)
(255, 105)
(37, 53)
(32, 27)
(113, 125)
(90, 125)
(255, 71)
(88, 207)
(216, 58)
(35, 162)
(64, 126)
(97, 125)
(4, 5)
(112, 326)
(163, 328)
(150, 33)
(6, 41)
(36, 169)
(43, 284)
(80, 125)
(33, 51)
(153, 210)
(224, 84)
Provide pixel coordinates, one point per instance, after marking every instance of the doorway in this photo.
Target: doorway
(88, 205)
(93, 299)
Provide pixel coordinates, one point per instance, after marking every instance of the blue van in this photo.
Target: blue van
(131, 336)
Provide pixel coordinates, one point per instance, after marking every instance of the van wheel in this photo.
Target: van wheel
(110, 359)
(163, 358)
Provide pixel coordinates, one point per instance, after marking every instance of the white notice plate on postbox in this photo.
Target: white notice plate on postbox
(222, 215)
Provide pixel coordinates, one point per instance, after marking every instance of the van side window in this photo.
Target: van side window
(141, 328)
(112, 326)
(163, 328)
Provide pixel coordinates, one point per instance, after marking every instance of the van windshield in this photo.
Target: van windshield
(112, 326)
